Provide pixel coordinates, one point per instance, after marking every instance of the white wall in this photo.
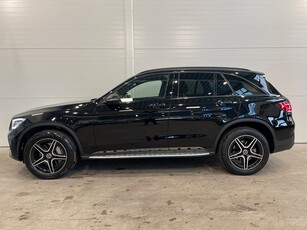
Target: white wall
(63, 50)
(56, 51)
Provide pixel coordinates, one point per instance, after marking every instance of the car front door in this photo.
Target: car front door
(202, 103)
(139, 121)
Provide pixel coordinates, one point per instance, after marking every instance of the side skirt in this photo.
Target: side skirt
(150, 153)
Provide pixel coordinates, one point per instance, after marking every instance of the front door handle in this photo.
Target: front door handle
(156, 106)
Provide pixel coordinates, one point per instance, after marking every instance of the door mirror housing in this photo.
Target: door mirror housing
(113, 99)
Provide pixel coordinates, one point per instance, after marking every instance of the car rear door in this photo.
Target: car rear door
(202, 103)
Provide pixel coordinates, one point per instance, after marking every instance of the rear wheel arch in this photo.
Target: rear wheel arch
(32, 130)
(259, 125)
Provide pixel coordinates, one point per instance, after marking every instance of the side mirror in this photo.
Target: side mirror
(113, 99)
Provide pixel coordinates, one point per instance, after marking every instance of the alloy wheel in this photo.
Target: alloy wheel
(48, 156)
(245, 152)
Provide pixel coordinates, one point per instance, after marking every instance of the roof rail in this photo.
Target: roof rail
(211, 68)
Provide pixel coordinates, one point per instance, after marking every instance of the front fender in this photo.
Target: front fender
(48, 125)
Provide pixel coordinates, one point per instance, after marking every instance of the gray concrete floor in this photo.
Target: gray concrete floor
(185, 193)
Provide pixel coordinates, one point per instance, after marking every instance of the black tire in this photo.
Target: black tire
(243, 151)
(51, 146)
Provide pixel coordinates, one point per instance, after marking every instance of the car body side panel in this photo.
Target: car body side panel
(74, 119)
(196, 122)
(132, 126)
(265, 108)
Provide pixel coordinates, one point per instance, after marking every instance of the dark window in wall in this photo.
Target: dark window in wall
(242, 87)
(196, 84)
(222, 86)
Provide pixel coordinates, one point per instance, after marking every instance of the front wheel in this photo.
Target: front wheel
(50, 154)
(243, 151)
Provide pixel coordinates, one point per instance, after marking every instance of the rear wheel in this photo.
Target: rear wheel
(244, 151)
(50, 154)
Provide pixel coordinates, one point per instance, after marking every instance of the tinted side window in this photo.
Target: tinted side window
(272, 89)
(259, 80)
(222, 87)
(145, 87)
(242, 87)
(196, 84)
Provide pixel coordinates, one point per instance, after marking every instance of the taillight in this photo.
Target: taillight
(285, 106)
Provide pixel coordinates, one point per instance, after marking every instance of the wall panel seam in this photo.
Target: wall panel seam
(216, 48)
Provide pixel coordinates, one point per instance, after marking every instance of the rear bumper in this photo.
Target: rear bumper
(284, 144)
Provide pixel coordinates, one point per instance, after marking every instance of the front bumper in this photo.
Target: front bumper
(13, 152)
(13, 155)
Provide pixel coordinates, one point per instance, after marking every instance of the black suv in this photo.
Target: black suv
(171, 112)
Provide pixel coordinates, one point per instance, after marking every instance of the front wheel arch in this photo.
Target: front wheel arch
(50, 154)
(32, 130)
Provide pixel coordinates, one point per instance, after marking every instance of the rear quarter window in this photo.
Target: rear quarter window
(260, 80)
(243, 87)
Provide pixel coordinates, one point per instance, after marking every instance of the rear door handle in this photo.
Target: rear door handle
(224, 102)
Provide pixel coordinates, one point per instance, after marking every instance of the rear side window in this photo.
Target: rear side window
(196, 84)
(242, 87)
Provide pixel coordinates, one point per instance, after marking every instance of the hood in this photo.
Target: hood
(54, 108)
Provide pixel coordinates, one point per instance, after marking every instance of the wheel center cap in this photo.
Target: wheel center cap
(245, 152)
(49, 156)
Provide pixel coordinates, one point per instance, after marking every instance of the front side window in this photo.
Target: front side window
(196, 84)
(145, 87)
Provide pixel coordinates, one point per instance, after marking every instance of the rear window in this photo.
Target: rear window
(243, 87)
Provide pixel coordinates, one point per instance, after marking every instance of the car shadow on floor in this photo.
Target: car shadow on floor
(146, 165)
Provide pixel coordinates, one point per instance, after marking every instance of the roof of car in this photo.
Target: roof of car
(198, 68)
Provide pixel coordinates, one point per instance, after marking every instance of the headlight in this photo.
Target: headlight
(16, 122)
